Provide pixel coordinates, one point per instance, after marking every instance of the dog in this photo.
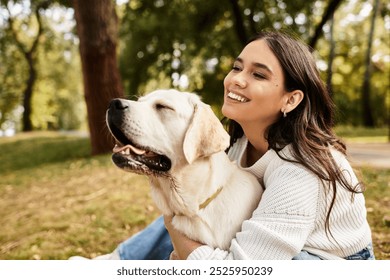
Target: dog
(178, 142)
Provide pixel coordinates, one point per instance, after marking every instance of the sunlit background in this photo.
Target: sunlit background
(188, 45)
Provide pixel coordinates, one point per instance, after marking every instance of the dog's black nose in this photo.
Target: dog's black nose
(118, 104)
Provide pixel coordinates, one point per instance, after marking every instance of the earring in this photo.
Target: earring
(284, 113)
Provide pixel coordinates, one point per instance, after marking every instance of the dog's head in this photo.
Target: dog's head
(163, 131)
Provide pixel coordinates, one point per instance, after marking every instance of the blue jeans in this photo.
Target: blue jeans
(365, 254)
(154, 243)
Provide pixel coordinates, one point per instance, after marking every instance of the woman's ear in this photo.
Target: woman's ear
(293, 99)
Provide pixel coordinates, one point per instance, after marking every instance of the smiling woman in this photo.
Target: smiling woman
(281, 129)
(257, 81)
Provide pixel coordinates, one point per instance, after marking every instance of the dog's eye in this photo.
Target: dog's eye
(160, 106)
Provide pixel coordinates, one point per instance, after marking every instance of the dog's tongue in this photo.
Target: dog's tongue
(118, 149)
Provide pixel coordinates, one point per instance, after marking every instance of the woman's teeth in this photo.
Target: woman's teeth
(237, 97)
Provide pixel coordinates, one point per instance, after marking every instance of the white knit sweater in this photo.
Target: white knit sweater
(292, 212)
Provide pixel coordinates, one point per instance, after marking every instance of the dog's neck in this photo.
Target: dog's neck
(202, 205)
(211, 198)
(200, 191)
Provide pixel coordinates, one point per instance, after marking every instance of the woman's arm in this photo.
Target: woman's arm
(183, 246)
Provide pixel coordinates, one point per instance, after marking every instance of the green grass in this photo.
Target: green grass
(363, 134)
(378, 208)
(31, 150)
(56, 201)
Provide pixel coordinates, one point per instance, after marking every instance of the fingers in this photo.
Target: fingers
(173, 256)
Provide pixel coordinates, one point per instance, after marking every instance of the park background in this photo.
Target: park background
(61, 62)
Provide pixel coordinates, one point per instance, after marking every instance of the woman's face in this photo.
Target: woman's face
(254, 88)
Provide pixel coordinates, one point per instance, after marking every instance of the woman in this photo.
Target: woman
(281, 129)
(281, 118)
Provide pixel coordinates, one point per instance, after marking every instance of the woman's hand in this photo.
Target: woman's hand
(173, 256)
(182, 245)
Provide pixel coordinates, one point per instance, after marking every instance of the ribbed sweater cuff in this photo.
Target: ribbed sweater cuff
(201, 253)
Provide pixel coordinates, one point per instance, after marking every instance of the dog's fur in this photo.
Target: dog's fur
(177, 141)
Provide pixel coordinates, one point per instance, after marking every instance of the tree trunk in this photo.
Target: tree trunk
(239, 23)
(330, 10)
(29, 55)
(331, 57)
(28, 94)
(368, 119)
(97, 28)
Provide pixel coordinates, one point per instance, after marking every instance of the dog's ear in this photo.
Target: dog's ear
(205, 135)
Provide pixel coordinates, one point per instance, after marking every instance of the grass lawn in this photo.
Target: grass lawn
(56, 201)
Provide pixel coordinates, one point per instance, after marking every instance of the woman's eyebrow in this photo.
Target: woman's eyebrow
(257, 65)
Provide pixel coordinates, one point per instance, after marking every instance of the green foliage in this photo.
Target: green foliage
(202, 46)
(153, 42)
(188, 45)
(57, 101)
(155, 47)
(351, 35)
(12, 75)
(59, 95)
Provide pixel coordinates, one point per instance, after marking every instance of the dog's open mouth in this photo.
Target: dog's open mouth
(127, 155)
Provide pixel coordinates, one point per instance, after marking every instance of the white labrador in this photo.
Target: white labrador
(177, 141)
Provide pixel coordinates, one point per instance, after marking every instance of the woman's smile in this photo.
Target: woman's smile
(237, 97)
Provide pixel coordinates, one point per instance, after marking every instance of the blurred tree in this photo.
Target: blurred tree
(97, 28)
(11, 79)
(351, 36)
(368, 119)
(29, 51)
(328, 15)
(331, 55)
(59, 103)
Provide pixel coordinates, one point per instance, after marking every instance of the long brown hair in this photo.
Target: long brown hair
(309, 127)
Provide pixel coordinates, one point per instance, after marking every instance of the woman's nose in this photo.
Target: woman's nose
(239, 80)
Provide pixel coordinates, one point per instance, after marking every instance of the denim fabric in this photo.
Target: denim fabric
(152, 243)
(365, 254)
(305, 256)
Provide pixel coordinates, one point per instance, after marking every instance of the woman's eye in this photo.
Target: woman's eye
(236, 68)
(259, 75)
